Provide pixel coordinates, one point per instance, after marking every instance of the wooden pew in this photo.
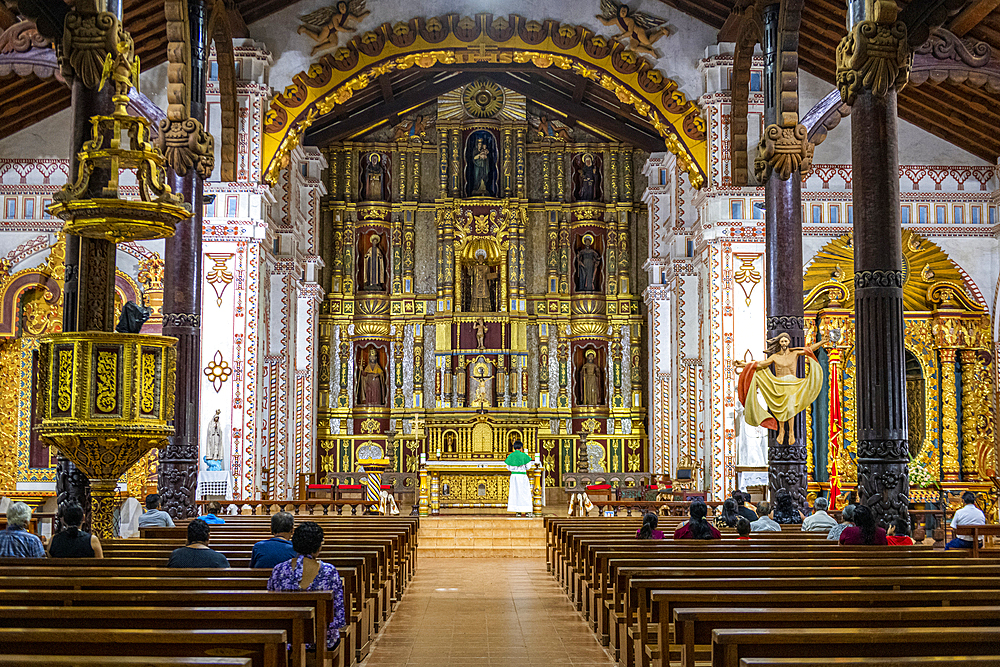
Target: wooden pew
(297, 622)
(265, 648)
(117, 661)
(730, 646)
(694, 626)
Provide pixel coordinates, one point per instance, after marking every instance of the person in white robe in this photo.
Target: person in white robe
(519, 495)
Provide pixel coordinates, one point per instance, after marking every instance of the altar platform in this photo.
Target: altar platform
(466, 536)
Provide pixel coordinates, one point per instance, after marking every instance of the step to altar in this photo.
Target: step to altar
(465, 536)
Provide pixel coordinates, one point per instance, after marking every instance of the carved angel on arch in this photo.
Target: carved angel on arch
(642, 29)
(325, 25)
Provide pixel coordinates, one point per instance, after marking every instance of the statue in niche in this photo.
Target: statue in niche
(374, 266)
(587, 265)
(213, 444)
(481, 330)
(374, 175)
(481, 274)
(481, 175)
(590, 380)
(588, 177)
(371, 381)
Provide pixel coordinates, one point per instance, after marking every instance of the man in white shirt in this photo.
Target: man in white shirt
(764, 524)
(819, 521)
(969, 515)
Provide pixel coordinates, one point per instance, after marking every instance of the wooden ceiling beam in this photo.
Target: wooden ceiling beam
(328, 129)
(610, 125)
(13, 123)
(971, 16)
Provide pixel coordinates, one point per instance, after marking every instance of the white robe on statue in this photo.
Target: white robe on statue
(519, 496)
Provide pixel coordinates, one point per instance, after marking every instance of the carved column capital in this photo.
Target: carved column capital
(89, 37)
(783, 151)
(185, 144)
(873, 56)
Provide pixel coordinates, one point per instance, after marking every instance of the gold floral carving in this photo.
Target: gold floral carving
(147, 382)
(874, 55)
(65, 390)
(783, 151)
(370, 426)
(9, 389)
(107, 381)
(949, 416)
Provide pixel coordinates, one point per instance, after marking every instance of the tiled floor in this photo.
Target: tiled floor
(485, 611)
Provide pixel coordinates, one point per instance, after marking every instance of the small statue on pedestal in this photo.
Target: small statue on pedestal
(213, 444)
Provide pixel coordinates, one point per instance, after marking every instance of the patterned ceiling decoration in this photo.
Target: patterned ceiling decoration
(451, 40)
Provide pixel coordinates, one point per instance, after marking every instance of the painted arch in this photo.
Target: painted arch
(454, 40)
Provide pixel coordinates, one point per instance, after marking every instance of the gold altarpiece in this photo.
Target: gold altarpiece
(950, 373)
(508, 243)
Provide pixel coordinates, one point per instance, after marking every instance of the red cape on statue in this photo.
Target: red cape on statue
(743, 388)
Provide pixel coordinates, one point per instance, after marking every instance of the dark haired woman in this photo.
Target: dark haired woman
(71, 542)
(697, 528)
(730, 514)
(864, 530)
(784, 508)
(308, 573)
(648, 530)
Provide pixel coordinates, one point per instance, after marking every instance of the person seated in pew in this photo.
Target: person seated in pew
(212, 509)
(968, 515)
(765, 524)
(899, 533)
(15, 540)
(743, 505)
(729, 514)
(71, 541)
(848, 520)
(819, 521)
(307, 573)
(697, 527)
(154, 517)
(278, 549)
(743, 528)
(864, 530)
(785, 511)
(648, 530)
(197, 552)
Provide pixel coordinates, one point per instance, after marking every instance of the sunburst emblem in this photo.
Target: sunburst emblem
(483, 98)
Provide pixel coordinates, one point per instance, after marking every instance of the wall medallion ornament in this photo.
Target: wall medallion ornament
(219, 276)
(874, 55)
(324, 26)
(483, 99)
(642, 29)
(217, 371)
(783, 151)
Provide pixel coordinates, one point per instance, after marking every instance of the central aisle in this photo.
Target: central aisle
(485, 611)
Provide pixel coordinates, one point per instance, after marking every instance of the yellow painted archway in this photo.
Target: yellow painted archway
(455, 40)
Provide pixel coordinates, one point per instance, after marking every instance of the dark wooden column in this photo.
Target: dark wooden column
(883, 448)
(783, 274)
(89, 288)
(178, 472)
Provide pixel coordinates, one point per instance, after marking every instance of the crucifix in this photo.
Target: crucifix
(481, 374)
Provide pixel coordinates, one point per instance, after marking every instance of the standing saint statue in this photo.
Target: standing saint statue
(213, 444)
(784, 393)
(373, 177)
(480, 169)
(481, 330)
(588, 179)
(371, 381)
(587, 264)
(374, 266)
(590, 380)
(481, 277)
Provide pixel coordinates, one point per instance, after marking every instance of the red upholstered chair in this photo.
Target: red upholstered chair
(350, 492)
(319, 491)
(600, 492)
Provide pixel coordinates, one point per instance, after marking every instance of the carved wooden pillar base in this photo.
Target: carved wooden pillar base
(72, 488)
(178, 471)
(884, 486)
